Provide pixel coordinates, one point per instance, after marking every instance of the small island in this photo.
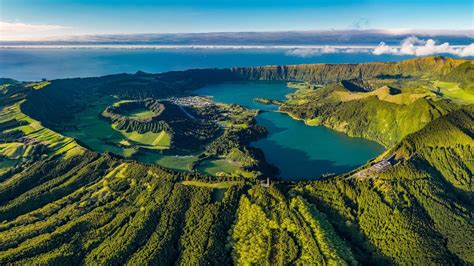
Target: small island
(268, 101)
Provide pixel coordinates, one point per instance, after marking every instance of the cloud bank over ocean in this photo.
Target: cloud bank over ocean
(415, 46)
(317, 37)
(310, 52)
(293, 43)
(409, 46)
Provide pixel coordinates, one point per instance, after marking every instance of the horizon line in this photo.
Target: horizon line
(469, 33)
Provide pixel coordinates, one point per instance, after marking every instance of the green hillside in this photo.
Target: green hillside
(63, 202)
(429, 67)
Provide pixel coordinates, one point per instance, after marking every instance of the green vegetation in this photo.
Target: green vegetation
(160, 140)
(104, 119)
(267, 229)
(267, 101)
(219, 185)
(38, 85)
(452, 90)
(184, 163)
(431, 67)
(62, 204)
(301, 85)
(217, 167)
(144, 113)
(388, 112)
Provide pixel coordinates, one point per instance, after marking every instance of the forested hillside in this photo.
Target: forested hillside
(62, 203)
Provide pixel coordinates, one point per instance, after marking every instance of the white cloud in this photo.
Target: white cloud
(414, 46)
(17, 27)
(468, 50)
(24, 31)
(310, 52)
(303, 52)
(382, 48)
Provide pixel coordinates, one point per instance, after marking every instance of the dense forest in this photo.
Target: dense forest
(62, 203)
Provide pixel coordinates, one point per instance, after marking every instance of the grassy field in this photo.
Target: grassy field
(95, 132)
(54, 142)
(161, 140)
(139, 113)
(14, 150)
(383, 94)
(453, 91)
(216, 167)
(100, 135)
(177, 162)
(174, 162)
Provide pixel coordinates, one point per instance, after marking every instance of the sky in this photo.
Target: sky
(37, 19)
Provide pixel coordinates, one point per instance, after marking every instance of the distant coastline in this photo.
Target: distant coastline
(159, 46)
(363, 48)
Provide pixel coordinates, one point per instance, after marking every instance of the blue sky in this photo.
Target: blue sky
(58, 17)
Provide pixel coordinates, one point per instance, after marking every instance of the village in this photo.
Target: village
(372, 171)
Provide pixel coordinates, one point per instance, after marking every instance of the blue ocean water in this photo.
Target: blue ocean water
(35, 64)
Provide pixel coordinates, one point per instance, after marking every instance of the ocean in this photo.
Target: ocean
(36, 64)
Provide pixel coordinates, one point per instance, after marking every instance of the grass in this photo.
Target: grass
(5, 164)
(161, 140)
(38, 85)
(55, 142)
(301, 85)
(453, 91)
(177, 162)
(139, 113)
(117, 172)
(14, 150)
(174, 162)
(383, 94)
(96, 133)
(100, 136)
(219, 185)
(217, 167)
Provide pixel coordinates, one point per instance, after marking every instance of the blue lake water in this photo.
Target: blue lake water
(35, 64)
(299, 151)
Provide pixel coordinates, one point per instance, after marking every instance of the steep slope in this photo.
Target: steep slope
(446, 146)
(464, 74)
(418, 211)
(63, 204)
(372, 118)
(95, 209)
(350, 97)
(432, 67)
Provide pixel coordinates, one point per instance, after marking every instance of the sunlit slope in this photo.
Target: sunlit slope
(375, 115)
(419, 210)
(94, 209)
(61, 204)
(432, 67)
(446, 145)
(380, 101)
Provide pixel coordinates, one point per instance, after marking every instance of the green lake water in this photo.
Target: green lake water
(298, 150)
